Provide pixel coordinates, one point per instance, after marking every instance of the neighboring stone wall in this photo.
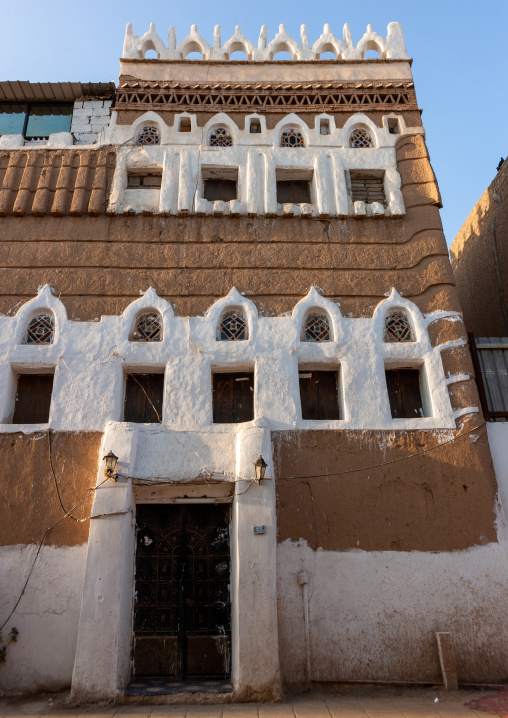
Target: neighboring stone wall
(479, 255)
(89, 117)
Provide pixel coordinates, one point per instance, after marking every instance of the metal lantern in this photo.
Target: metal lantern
(260, 469)
(110, 467)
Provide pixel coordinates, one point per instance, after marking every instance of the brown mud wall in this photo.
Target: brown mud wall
(479, 256)
(356, 494)
(28, 495)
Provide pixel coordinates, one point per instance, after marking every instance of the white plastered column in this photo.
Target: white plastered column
(255, 650)
(102, 664)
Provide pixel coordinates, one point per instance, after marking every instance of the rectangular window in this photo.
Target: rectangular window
(33, 399)
(368, 187)
(44, 120)
(293, 192)
(324, 127)
(405, 394)
(255, 127)
(12, 119)
(233, 397)
(185, 125)
(393, 126)
(223, 189)
(145, 180)
(319, 395)
(143, 398)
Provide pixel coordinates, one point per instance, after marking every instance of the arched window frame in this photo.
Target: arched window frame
(366, 131)
(220, 130)
(296, 132)
(316, 314)
(141, 335)
(45, 318)
(408, 335)
(145, 127)
(230, 310)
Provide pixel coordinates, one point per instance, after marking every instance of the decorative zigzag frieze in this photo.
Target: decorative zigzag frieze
(136, 94)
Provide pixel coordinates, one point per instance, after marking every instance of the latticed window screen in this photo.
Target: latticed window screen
(398, 328)
(148, 328)
(360, 138)
(233, 326)
(149, 135)
(221, 137)
(291, 138)
(317, 328)
(40, 330)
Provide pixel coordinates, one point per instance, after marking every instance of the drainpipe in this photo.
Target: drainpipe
(303, 580)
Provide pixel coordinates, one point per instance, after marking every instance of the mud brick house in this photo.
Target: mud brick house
(242, 445)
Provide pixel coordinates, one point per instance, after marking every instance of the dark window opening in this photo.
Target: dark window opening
(148, 180)
(233, 397)
(368, 187)
(33, 399)
(293, 192)
(255, 127)
(220, 189)
(185, 125)
(393, 126)
(324, 127)
(319, 395)
(35, 121)
(143, 398)
(404, 393)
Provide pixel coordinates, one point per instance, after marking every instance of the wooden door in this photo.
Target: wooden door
(182, 611)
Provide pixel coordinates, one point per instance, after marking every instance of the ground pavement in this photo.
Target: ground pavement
(368, 702)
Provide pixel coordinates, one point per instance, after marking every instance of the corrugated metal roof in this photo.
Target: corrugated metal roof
(20, 91)
(494, 367)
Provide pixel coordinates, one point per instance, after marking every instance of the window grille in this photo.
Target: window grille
(40, 330)
(317, 328)
(148, 328)
(398, 328)
(221, 137)
(233, 326)
(367, 187)
(292, 138)
(360, 138)
(149, 135)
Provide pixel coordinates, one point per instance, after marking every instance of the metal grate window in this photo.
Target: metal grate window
(317, 328)
(148, 328)
(292, 138)
(149, 135)
(233, 326)
(360, 138)
(398, 328)
(40, 330)
(221, 137)
(367, 187)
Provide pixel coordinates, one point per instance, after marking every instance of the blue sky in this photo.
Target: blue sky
(459, 49)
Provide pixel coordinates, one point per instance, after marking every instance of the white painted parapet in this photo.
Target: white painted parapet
(392, 46)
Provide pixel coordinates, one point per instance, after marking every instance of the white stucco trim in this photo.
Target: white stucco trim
(90, 360)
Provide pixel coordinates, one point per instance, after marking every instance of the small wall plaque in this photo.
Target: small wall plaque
(259, 529)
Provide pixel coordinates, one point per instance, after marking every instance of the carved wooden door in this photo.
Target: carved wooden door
(182, 612)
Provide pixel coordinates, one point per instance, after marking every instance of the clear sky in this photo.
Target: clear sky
(459, 49)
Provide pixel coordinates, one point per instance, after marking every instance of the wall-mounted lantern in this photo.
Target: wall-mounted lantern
(260, 469)
(110, 465)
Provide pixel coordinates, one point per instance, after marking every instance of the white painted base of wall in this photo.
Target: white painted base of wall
(47, 617)
(373, 616)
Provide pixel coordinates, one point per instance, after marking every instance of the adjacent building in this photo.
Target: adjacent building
(242, 444)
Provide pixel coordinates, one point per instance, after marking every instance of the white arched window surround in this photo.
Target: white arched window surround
(44, 303)
(394, 302)
(220, 120)
(314, 302)
(234, 300)
(359, 121)
(149, 302)
(153, 119)
(361, 130)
